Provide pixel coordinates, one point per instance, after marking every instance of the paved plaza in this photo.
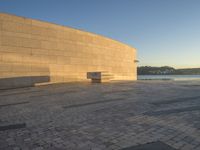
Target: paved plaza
(108, 116)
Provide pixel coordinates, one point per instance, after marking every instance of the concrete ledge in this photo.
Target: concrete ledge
(19, 82)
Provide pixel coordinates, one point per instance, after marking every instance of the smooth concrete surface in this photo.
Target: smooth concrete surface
(107, 116)
(35, 48)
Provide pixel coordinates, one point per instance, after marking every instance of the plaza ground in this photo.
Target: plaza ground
(108, 116)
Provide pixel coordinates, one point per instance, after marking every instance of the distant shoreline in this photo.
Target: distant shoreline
(166, 70)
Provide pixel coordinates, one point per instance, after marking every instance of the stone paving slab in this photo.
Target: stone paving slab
(95, 123)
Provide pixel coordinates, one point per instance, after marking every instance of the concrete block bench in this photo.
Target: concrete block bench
(99, 77)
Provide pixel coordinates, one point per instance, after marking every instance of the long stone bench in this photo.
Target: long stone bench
(99, 77)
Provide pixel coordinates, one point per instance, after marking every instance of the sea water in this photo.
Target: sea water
(168, 77)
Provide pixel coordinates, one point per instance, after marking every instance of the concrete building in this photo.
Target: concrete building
(33, 51)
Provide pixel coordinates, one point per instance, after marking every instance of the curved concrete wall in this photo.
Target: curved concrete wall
(33, 51)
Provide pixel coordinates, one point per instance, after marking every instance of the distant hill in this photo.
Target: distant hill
(166, 70)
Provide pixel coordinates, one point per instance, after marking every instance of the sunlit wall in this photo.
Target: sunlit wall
(33, 51)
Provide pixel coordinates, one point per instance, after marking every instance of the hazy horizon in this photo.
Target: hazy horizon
(165, 33)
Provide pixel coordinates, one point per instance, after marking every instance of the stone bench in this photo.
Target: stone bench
(99, 77)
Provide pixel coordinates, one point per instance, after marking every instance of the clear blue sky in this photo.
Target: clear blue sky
(165, 32)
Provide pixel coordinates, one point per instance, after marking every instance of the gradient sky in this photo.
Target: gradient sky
(165, 32)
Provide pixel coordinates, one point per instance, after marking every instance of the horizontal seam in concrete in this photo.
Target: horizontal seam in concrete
(120, 91)
(19, 93)
(176, 100)
(13, 126)
(92, 103)
(151, 146)
(57, 93)
(13, 104)
(172, 111)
